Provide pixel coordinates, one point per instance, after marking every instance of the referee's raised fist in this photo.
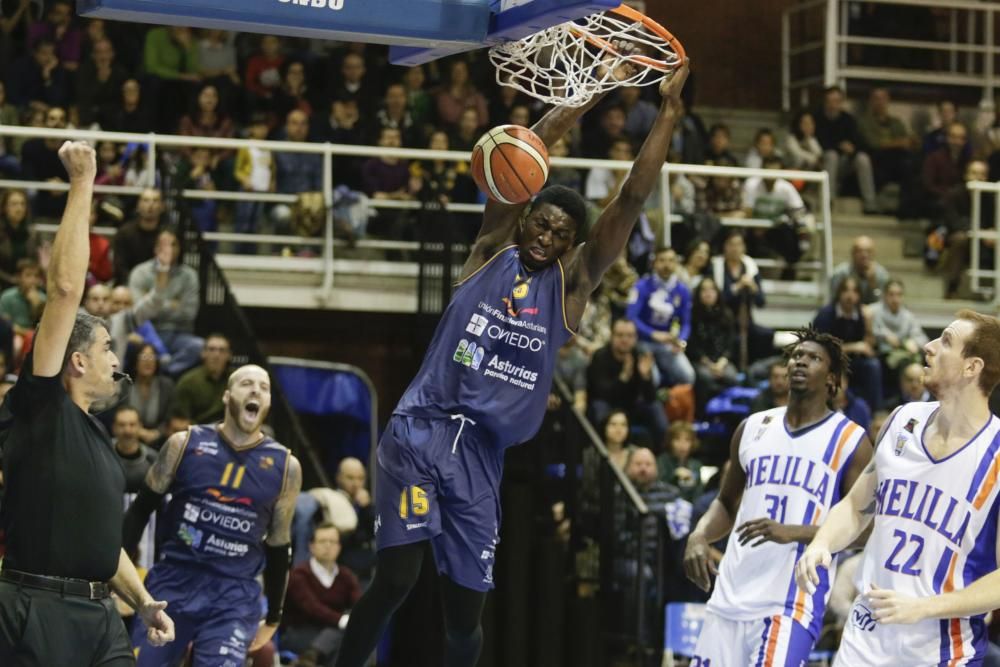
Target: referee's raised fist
(79, 159)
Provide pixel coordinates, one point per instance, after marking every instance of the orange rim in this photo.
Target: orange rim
(627, 12)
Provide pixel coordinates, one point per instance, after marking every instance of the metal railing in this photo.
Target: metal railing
(158, 142)
(977, 234)
(818, 48)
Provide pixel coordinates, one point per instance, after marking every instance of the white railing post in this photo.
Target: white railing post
(977, 211)
(786, 62)
(827, 206)
(666, 206)
(831, 32)
(953, 40)
(152, 157)
(988, 57)
(327, 289)
(996, 236)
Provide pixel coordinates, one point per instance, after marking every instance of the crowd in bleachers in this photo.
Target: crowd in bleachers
(669, 331)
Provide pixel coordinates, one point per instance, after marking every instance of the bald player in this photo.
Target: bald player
(233, 492)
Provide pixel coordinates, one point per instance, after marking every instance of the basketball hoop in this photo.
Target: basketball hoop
(570, 63)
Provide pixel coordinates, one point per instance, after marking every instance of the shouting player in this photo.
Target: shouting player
(233, 493)
(932, 490)
(484, 385)
(788, 467)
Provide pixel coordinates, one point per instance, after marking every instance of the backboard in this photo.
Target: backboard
(457, 24)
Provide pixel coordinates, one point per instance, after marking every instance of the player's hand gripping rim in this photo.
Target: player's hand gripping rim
(807, 569)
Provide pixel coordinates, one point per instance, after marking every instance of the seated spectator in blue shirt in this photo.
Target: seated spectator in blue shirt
(660, 306)
(852, 406)
(295, 173)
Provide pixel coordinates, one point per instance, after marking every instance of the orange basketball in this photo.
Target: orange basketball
(510, 164)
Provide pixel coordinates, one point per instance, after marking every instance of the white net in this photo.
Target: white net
(569, 63)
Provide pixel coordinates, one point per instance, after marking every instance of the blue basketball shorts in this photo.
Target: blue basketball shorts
(218, 615)
(439, 480)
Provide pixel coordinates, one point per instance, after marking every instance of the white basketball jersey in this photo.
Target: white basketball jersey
(935, 531)
(793, 478)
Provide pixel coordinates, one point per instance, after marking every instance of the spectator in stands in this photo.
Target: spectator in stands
(719, 146)
(40, 162)
(870, 275)
(195, 172)
(39, 78)
(739, 278)
(135, 240)
(217, 63)
(22, 304)
(503, 100)
(388, 178)
(696, 263)
(467, 131)
(595, 326)
(206, 120)
(17, 239)
(59, 29)
(358, 545)
(712, 345)
(777, 200)
(944, 171)
(395, 113)
(255, 172)
(263, 73)
(597, 139)
(764, 147)
(110, 170)
(677, 464)
(616, 435)
(775, 393)
(660, 308)
(620, 377)
(295, 172)
(457, 94)
(911, 384)
(98, 83)
(445, 181)
(639, 113)
(198, 396)
(843, 156)
(603, 183)
(688, 140)
(952, 231)
(97, 300)
(294, 91)
(132, 113)
(354, 85)
(151, 393)
(345, 125)
(855, 408)
(167, 291)
(888, 139)
(14, 23)
(170, 62)
(121, 299)
(721, 195)
(571, 368)
(417, 99)
(519, 115)
(898, 334)
(100, 267)
(845, 318)
(135, 457)
(10, 164)
(320, 595)
(801, 146)
(937, 138)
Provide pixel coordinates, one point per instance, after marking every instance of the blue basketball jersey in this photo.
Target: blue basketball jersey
(222, 502)
(494, 350)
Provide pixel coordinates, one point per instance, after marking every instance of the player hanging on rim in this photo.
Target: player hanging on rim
(483, 387)
(788, 467)
(229, 518)
(929, 570)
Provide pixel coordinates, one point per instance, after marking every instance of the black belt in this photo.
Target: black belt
(92, 590)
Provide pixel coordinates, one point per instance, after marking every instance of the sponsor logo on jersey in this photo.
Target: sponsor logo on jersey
(225, 547)
(469, 354)
(479, 325)
(513, 311)
(266, 462)
(414, 526)
(223, 498)
(812, 477)
(189, 535)
(513, 320)
(190, 513)
(519, 376)
(925, 504)
(227, 521)
(488, 578)
(378, 523)
(206, 448)
(900, 444)
(863, 618)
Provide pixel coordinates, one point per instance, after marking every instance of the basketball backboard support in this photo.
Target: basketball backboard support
(429, 24)
(510, 20)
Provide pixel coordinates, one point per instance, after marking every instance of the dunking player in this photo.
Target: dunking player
(483, 387)
(929, 570)
(789, 466)
(233, 495)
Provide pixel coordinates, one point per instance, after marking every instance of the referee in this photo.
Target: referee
(63, 507)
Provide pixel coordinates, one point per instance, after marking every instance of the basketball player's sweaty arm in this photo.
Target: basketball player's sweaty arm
(845, 523)
(699, 566)
(278, 549)
(766, 529)
(611, 231)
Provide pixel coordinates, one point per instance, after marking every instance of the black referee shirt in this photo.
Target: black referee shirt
(63, 506)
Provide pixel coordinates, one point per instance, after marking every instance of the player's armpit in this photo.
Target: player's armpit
(280, 530)
(161, 474)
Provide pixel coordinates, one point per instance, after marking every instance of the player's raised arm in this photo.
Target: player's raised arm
(278, 550)
(612, 229)
(68, 267)
(718, 520)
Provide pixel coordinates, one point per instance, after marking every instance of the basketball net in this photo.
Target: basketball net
(570, 63)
